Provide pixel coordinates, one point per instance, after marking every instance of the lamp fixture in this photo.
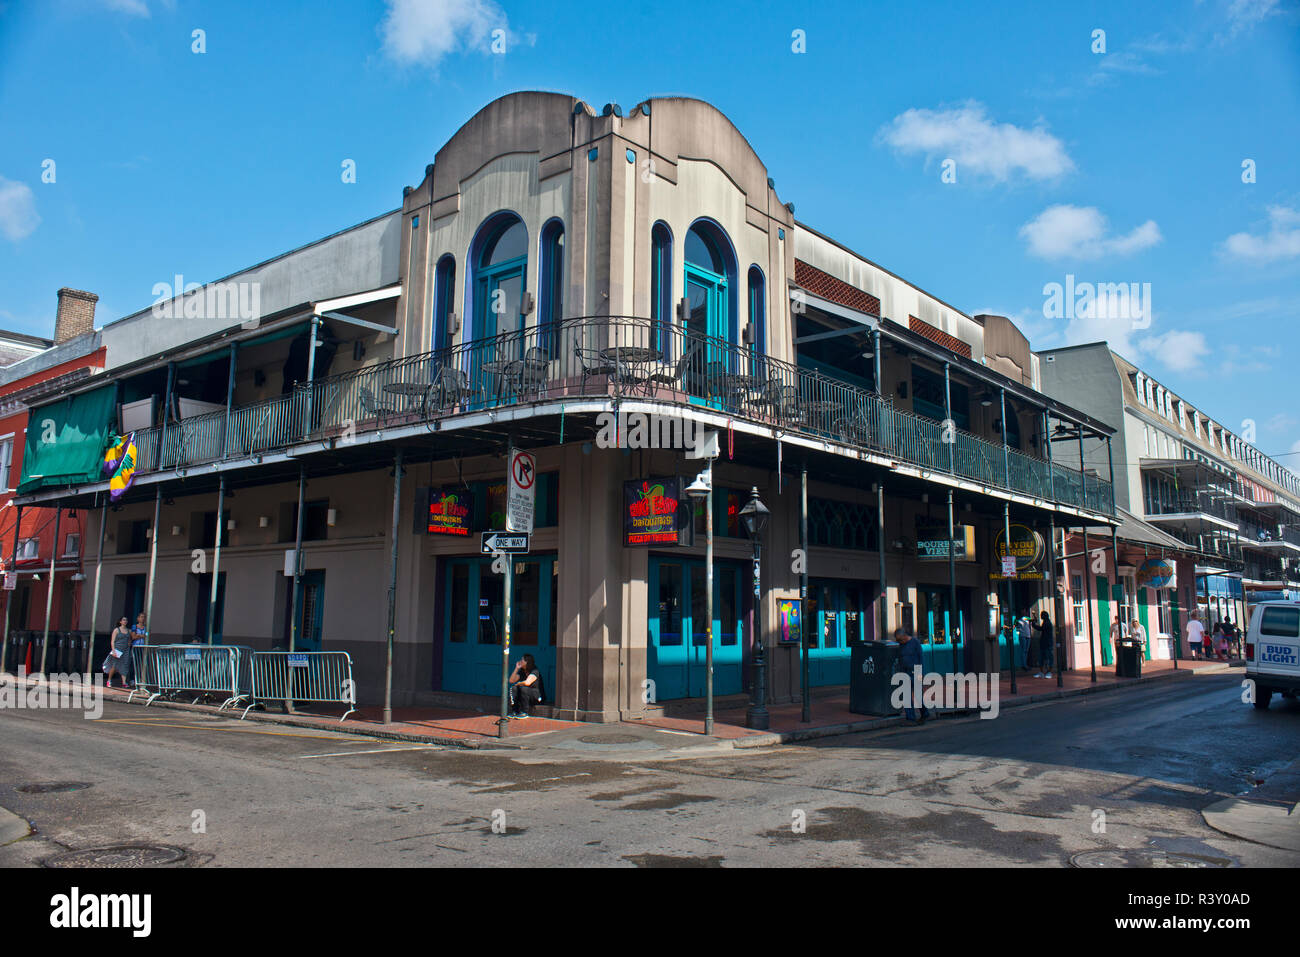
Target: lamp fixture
(263, 521)
(331, 517)
(986, 399)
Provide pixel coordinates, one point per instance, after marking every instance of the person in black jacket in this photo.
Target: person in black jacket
(909, 656)
(525, 687)
(1046, 646)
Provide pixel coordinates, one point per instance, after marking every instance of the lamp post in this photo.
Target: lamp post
(701, 490)
(754, 516)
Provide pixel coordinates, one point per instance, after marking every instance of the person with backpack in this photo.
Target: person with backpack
(525, 687)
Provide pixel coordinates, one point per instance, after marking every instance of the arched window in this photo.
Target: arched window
(499, 258)
(444, 285)
(757, 318)
(710, 285)
(661, 284)
(551, 286)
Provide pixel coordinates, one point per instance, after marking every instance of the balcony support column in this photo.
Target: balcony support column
(153, 563)
(297, 578)
(1047, 444)
(1083, 476)
(392, 587)
(1058, 603)
(230, 399)
(11, 569)
(216, 554)
(1087, 582)
(880, 551)
(953, 618)
(311, 373)
(1011, 594)
(99, 570)
(1110, 465)
(161, 453)
(948, 419)
(49, 588)
(806, 716)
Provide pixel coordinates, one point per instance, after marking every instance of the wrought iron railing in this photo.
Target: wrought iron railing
(622, 358)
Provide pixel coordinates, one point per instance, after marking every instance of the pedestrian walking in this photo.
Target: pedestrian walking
(119, 650)
(909, 657)
(1025, 638)
(1046, 647)
(1195, 635)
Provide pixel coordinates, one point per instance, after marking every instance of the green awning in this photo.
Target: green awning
(66, 440)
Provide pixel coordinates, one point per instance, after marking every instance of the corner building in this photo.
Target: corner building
(555, 265)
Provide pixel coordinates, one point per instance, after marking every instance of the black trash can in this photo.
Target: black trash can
(871, 666)
(1128, 658)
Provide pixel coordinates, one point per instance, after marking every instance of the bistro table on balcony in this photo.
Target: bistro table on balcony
(409, 391)
(504, 374)
(632, 362)
(737, 388)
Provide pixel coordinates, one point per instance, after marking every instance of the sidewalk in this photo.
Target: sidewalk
(830, 715)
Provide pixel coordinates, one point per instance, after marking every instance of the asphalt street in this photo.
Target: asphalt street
(1127, 770)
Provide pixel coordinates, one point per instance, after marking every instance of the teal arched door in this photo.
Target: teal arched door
(500, 271)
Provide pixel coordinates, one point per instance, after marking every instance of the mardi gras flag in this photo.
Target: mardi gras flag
(113, 454)
(125, 474)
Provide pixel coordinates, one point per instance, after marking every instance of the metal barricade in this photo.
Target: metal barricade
(195, 669)
(324, 677)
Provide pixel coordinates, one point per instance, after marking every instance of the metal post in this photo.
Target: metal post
(230, 399)
(297, 581)
(1047, 446)
(803, 597)
(1012, 645)
(161, 452)
(953, 618)
(216, 557)
(392, 588)
(757, 717)
(311, 372)
(153, 564)
(880, 550)
(503, 723)
(708, 604)
(1110, 464)
(1087, 583)
(99, 569)
(1011, 596)
(12, 569)
(1083, 476)
(950, 422)
(1058, 605)
(1114, 549)
(49, 588)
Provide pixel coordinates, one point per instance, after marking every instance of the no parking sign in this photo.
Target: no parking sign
(521, 494)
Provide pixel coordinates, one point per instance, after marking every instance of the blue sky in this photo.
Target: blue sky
(1117, 166)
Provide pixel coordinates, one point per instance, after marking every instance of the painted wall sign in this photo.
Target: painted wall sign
(932, 543)
(1028, 549)
(652, 511)
(1157, 573)
(449, 512)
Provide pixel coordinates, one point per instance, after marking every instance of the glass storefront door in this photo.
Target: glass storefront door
(837, 614)
(678, 667)
(473, 622)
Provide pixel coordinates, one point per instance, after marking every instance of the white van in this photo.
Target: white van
(1273, 650)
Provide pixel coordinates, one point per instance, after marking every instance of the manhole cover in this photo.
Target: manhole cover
(53, 787)
(615, 738)
(121, 855)
(1144, 857)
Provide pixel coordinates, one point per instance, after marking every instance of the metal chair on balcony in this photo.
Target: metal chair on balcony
(451, 388)
(593, 364)
(685, 374)
(531, 372)
(781, 401)
(372, 408)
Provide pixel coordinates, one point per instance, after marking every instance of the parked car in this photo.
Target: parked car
(1273, 650)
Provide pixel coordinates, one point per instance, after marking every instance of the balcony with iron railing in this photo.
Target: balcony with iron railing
(1269, 537)
(1203, 502)
(621, 358)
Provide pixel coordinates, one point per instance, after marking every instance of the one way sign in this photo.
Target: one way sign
(494, 542)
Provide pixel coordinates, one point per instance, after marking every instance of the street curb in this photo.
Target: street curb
(297, 722)
(12, 827)
(854, 727)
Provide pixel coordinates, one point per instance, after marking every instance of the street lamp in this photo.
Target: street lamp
(754, 516)
(701, 490)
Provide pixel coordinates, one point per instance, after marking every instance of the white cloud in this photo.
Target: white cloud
(1080, 232)
(1243, 15)
(980, 147)
(135, 8)
(425, 31)
(1177, 349)
(1282, 241)
(18, 218)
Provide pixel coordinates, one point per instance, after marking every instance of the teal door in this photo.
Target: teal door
(498, 322)
(474, 622)
(678, 639)
(834, 620)
(310, 606)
